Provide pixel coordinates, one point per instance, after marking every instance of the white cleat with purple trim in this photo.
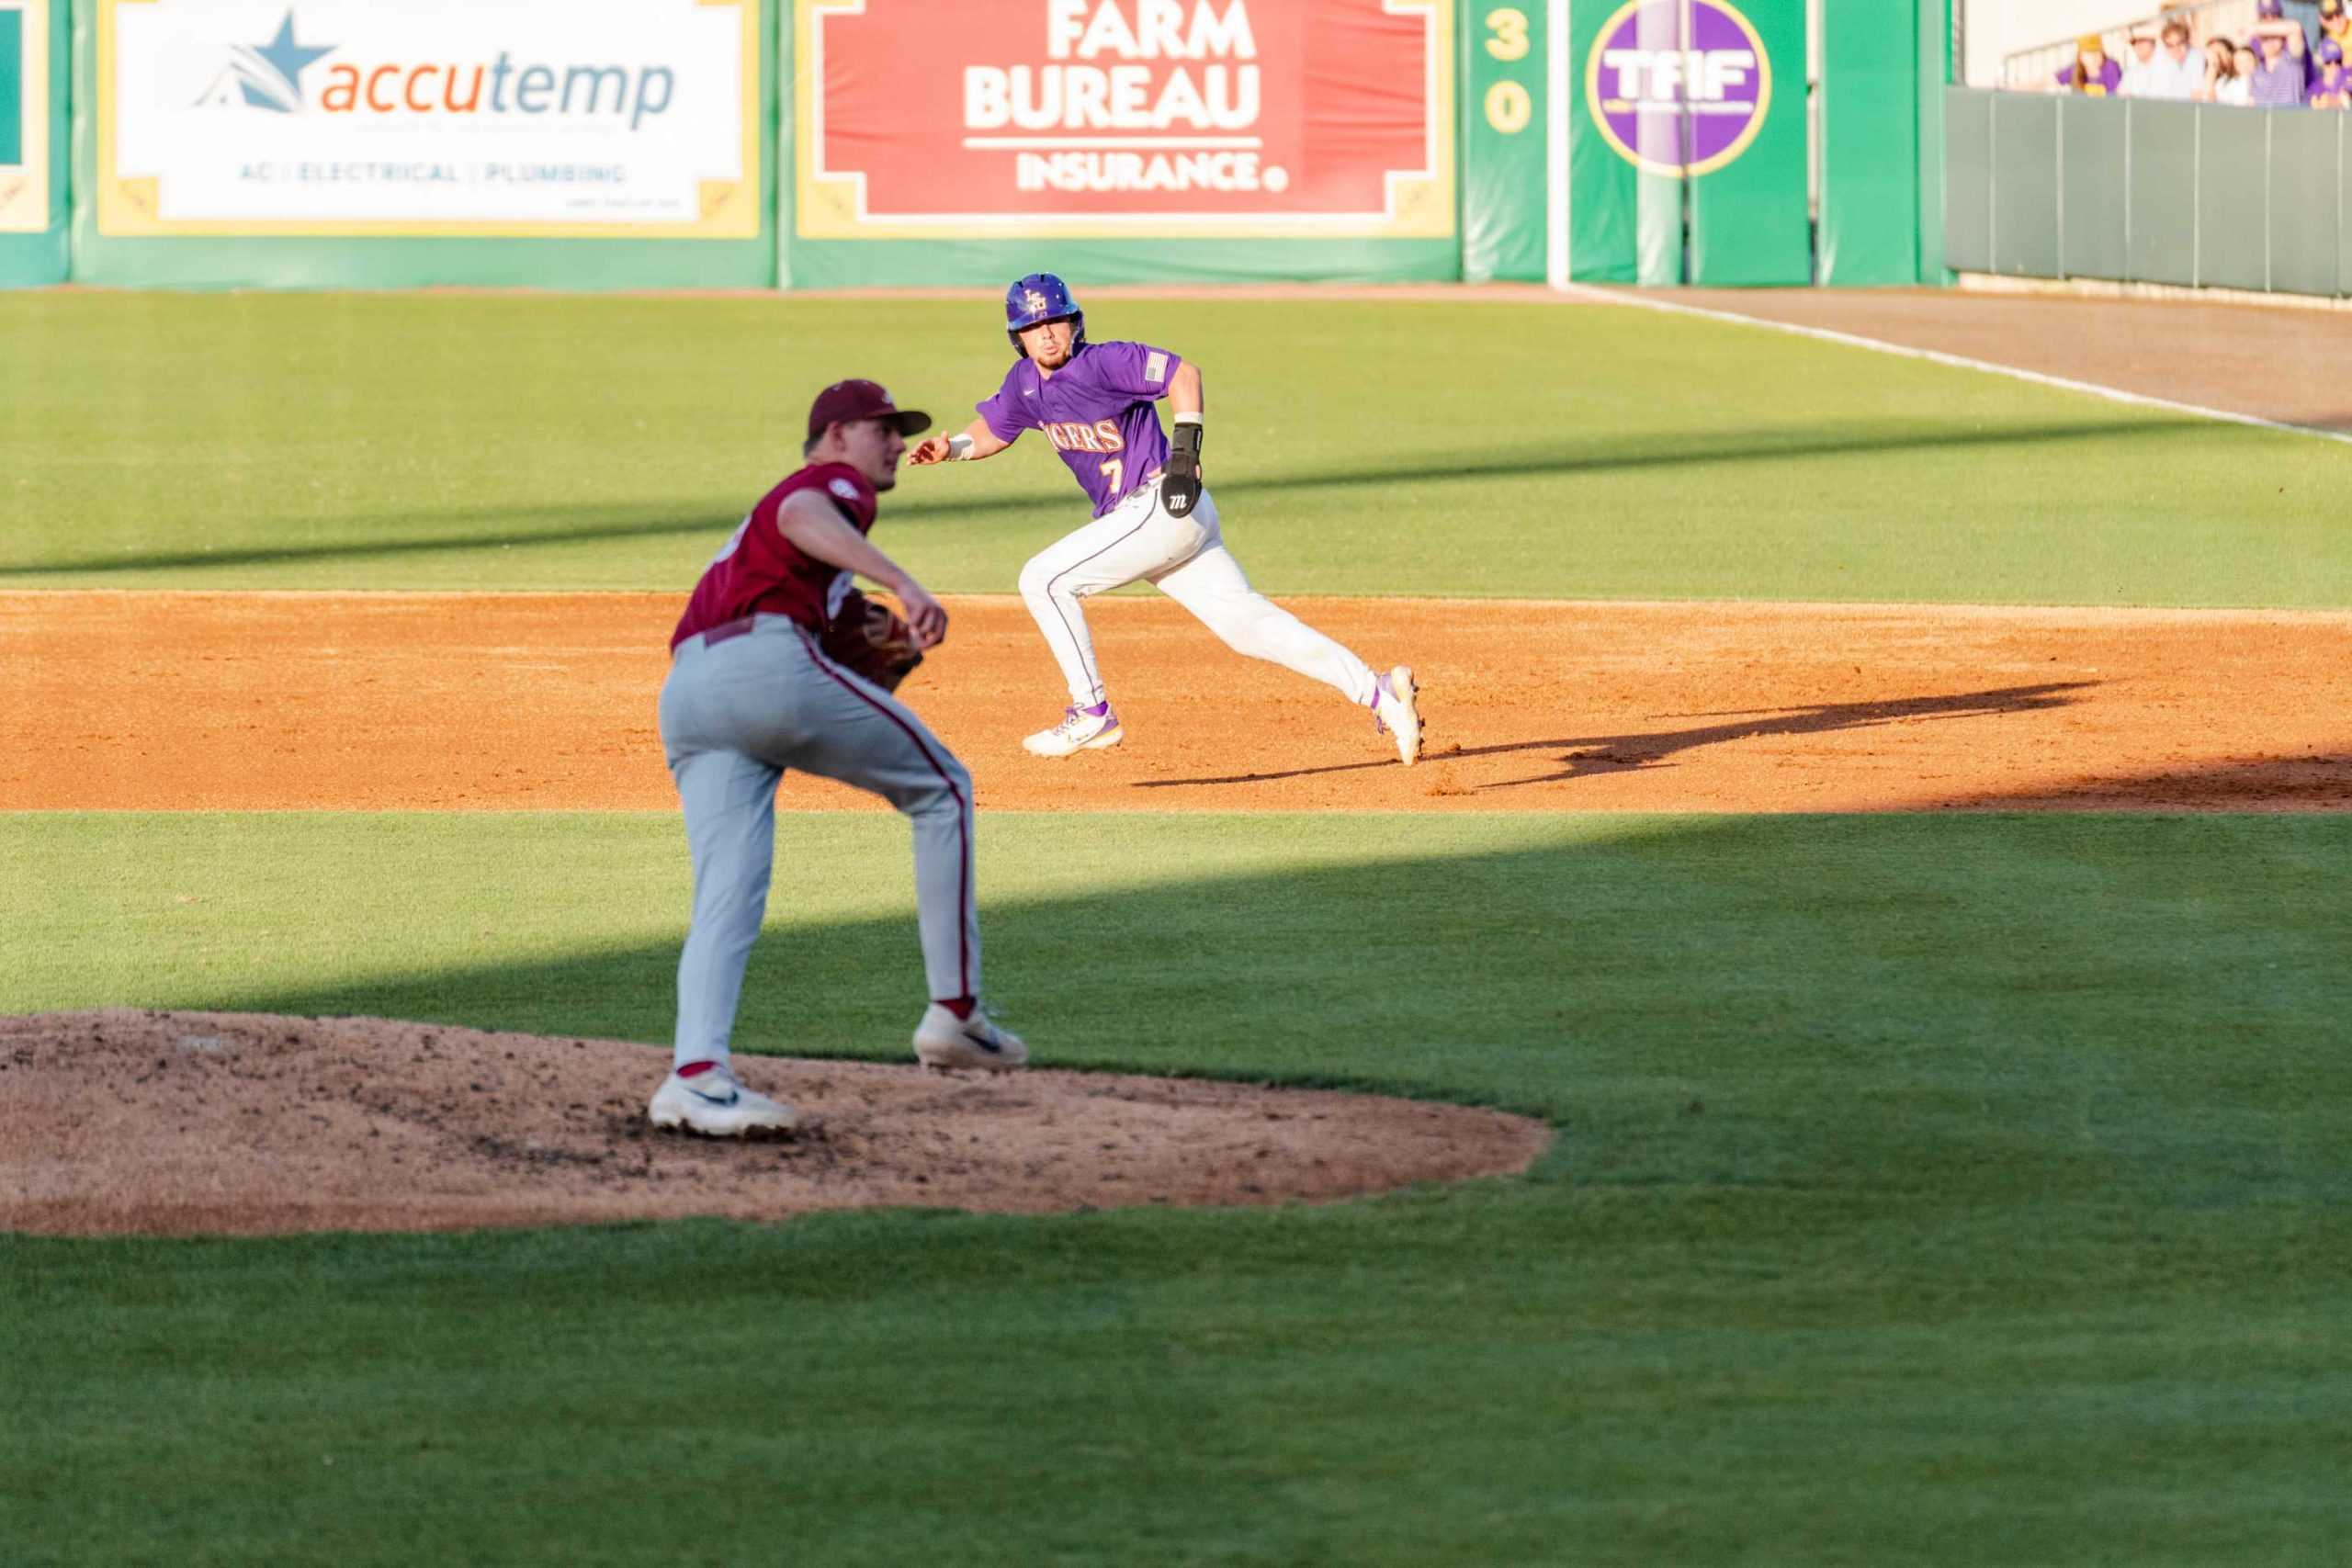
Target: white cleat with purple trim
(1395, 711)
(1081, 729)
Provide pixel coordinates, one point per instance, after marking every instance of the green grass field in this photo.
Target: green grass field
(494, 442)
(1947, 1188)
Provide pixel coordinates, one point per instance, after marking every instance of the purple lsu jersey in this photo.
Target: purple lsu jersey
(1096, 410)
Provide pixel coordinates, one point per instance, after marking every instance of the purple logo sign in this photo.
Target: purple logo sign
(1678, 86)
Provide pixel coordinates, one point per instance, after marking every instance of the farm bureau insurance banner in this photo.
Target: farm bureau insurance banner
(630, 119)
(1124, 118)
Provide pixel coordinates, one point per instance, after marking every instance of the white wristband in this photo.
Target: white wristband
(959, 448)
(1188, 419)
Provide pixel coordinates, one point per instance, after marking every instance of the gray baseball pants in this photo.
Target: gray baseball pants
(744, 703)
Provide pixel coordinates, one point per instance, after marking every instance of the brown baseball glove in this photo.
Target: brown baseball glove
(871, 639)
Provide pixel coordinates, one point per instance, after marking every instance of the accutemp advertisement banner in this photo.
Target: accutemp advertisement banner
(629, 119)
(24, 116)
(1124, 118)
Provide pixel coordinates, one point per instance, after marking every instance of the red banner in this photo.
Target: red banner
(1273, 115)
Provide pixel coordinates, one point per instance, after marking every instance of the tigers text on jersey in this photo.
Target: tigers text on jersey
(1097, 410)
(761, 571)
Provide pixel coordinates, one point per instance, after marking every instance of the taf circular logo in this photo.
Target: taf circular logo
(1678, 102)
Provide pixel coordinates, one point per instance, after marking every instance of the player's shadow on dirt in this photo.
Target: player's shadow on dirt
(1588, 755)
(2313, 780)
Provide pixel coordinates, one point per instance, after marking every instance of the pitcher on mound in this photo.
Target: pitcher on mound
(1153, 520)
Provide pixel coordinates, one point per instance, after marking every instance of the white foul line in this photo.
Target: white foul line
(1956, 361)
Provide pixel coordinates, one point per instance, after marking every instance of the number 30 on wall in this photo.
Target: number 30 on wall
(1508, 107)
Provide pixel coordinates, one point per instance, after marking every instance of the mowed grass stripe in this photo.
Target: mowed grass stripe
(1929, 1189)
(512, 441)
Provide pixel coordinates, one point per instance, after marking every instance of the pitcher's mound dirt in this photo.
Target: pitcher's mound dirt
(123, 1121)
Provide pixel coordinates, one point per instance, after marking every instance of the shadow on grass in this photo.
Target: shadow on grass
(604, 522)
(1623, 753)
(1890, 1002)
(1618, 455)
(573, 526)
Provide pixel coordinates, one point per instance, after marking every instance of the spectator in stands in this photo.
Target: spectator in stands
(2306, 17)
(2221, 70)
(2176, 72)
(2331, 88)
(2239, 88)
(2282, 75)
(2093, 73)
(2335, 22)
(2140, 72)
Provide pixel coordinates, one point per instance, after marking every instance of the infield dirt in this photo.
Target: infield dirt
(453, 702)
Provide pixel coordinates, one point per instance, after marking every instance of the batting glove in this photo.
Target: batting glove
(1179, 476)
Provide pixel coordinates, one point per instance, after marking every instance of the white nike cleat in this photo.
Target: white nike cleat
(1081, 729)
(1394, 711)
(716, 1105)
(942, 1039)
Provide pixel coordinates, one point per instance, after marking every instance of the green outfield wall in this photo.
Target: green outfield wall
(831, 144)
(1506, 141)
(36, 132)
(1687, 143)
(1748, 220)
(1624, 223)
(1681, 211)
(1881, 135)
(2199, 195)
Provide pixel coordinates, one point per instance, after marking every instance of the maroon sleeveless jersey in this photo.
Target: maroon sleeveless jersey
(761, 572)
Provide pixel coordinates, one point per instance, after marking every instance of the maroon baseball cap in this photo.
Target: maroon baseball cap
(846, 401)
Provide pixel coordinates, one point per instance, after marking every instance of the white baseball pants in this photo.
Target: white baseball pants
(739, 712)
(1185, 558)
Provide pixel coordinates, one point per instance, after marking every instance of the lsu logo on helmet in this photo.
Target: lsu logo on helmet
(1041, 296)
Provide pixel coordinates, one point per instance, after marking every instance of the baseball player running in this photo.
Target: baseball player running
(750, 695)
(1153, 520)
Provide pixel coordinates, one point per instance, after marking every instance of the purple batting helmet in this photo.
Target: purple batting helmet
(1035, 300)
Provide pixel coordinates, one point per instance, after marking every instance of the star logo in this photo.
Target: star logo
(265, 76)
